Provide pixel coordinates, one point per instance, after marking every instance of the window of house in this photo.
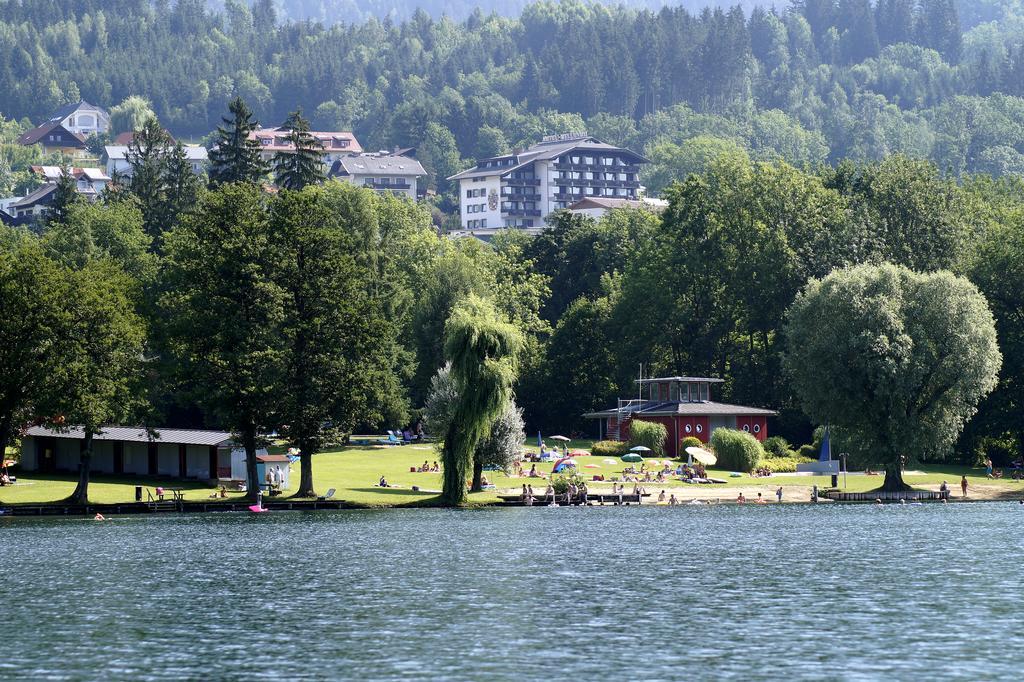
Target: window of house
(588, 160)
(700, 427)
(673, 391)
(757, 428)
(704, 392)
(483, 223)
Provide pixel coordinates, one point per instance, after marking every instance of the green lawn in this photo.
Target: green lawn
(354, 471)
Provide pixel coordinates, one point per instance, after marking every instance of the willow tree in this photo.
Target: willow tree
(896, 360)
(481, 349)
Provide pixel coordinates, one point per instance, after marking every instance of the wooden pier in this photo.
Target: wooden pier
(516, 500)
(886, 496)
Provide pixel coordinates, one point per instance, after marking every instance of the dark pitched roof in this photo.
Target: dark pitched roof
(543, 151)
(669, 409)
(375, 164)
(138, 434)
(39, 132)
(68, 109)
(40, 196)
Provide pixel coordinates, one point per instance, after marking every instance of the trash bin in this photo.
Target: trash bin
(835, 480)
(138, 493)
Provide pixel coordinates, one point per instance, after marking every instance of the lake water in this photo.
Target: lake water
(852, 592)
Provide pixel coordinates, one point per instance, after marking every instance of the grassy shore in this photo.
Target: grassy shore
(354, 471)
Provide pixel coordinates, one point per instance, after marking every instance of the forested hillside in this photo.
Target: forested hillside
(351, 11)
(821, 82)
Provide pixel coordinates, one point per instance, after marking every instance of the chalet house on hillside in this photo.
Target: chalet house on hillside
(684, 406)
(336, 144)
(67, 129)
(383, 172)
(89, 182)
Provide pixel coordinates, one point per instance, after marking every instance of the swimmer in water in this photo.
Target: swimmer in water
(99, 517)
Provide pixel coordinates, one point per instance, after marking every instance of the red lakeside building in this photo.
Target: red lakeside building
(684, 406)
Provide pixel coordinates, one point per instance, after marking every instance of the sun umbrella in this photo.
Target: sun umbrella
(701, 455)
(609, 461)
(640, 448)
(561, 438)
(632, 457)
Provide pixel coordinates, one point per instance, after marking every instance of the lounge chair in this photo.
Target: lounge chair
(393, 439)
(329, 495)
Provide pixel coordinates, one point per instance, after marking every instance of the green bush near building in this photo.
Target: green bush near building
(650, 435)
(609, 448)
(736, 450)
(689, 442)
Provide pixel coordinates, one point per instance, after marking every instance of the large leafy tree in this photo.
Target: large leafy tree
(481, 349)
(224, 311)
(34, 292)
(896, 360)
(303, 164)
(235, 156)
(102, 357)
(335, 337)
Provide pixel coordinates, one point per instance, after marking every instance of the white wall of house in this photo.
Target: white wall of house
(470, 219)
(86, 123)
(376, 181)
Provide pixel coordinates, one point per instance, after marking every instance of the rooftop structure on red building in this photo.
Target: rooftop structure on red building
(684, 406)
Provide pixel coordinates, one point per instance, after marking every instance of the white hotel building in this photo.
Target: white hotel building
(520, 190)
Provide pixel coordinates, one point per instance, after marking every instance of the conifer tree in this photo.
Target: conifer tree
(64, 196)
(302, 165)
(236, 156)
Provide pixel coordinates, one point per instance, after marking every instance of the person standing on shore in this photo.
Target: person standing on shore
(963, 484)
(778, 494)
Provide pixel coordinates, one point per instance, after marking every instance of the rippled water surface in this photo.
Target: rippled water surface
(852, 592)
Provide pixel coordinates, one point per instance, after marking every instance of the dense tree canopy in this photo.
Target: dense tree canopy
(896, 360)
(819, 81)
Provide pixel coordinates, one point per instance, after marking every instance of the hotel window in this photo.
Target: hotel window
(588, 160)
(606, 161)
(621, 177)
(575, 159)
(483, 223)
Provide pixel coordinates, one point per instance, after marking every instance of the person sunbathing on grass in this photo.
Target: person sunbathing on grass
(383, 483)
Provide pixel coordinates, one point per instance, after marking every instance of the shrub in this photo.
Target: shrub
(736, 450)
(777, 447)
(648, 434)
(780, 465)
(689, 442)
(609, 448)
(808, 452)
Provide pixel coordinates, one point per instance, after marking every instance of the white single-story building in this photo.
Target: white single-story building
(175, 453)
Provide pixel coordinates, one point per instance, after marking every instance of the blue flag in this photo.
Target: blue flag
(826, 447)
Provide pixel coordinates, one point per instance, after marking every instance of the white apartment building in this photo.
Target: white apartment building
(520, 190)
(116, 156)
(382, 172)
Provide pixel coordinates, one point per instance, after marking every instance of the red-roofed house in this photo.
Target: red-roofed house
(336, 144)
